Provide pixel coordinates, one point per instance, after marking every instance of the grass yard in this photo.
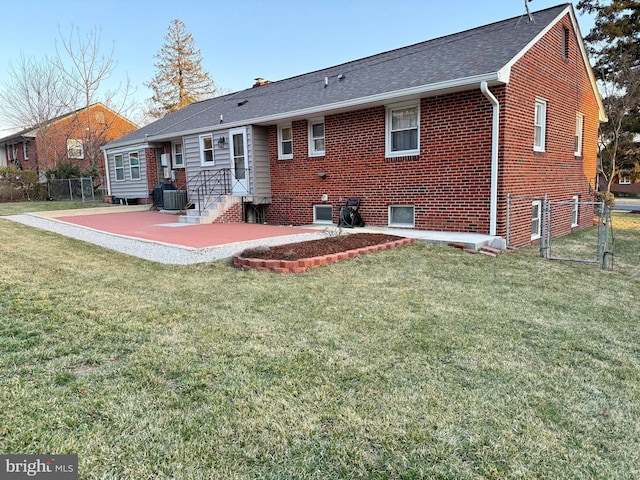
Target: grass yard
(416, 362)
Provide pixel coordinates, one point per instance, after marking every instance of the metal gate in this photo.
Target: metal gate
(599, 250)
(540, 219)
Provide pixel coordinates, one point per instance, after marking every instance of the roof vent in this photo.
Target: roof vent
(242, 102)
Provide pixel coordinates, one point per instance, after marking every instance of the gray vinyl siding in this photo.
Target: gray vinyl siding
(191, 152)
(259, 183)
(259, 164)
(128, 188)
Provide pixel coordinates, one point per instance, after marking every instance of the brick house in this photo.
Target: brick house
(65, 139)
(626, 182)
(433, 136)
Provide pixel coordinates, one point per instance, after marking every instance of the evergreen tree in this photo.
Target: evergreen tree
(180, 78)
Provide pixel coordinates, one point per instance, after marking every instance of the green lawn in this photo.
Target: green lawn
(16, 208)
(417, 362)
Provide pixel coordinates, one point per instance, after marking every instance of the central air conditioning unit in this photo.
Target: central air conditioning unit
(174, 199)
(164, 159)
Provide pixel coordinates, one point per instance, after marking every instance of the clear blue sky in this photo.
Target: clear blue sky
(244, 39)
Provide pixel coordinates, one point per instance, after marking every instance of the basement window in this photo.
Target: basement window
(575, 208)
(536, 219)
(402, 216)
(323, 214)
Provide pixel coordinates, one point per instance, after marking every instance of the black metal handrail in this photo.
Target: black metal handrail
(210, 185)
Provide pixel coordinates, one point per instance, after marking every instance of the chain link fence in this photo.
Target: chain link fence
(538, 219)
(72, 189)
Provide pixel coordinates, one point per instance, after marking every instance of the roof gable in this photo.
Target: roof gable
(31, 131)
(453, 62)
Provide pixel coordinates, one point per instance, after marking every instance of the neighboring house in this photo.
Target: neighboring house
(432, 136)
(74, 137)
(626, 182)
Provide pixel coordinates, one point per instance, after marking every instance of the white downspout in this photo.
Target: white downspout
(493, 209)
(106, 171)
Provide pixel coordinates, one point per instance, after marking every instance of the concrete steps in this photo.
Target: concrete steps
(211, 213)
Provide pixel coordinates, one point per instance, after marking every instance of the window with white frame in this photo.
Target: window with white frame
(285, 142)
(536, 219)
(322, 213)
(578, 136)
(134, 166)
(575, 209)
(178, 158)
(75, 148)
(316, 138)
(25, 149)
(624, 179)
(540, 126)
(402, 127)
(206, 150)
(119, 167)
(402, 216)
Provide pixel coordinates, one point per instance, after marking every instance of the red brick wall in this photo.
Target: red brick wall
(543, 72)
(448, 182)
(232, 215)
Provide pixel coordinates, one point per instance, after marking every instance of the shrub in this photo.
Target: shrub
(18, 185)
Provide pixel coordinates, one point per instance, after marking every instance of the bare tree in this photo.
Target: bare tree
(621, 97)
(85, 68)
(34, 93)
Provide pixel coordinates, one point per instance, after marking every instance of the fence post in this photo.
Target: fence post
(508, 219)
(70, 189)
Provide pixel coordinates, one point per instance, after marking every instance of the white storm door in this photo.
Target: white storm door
(239, 161)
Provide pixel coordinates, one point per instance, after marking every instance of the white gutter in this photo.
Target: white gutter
(493, 209)
(106, 171)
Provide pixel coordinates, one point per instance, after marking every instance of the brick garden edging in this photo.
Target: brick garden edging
(299, 266)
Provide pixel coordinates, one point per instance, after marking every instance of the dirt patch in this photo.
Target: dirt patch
(320, 247)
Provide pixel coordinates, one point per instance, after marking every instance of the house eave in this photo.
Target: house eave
(450, 86)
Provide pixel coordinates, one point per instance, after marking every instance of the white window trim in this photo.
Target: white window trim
(25, 150)
(388, 118)
(538, 234)
(579, 133)
(137, 156)
(174, 154)
(312, 151)
(283, 156)
(315, 219)
(575, 211)
(203, 162)
(402, 225)
(80, 143)
(624, 180)
(116, 168)
(542, 125)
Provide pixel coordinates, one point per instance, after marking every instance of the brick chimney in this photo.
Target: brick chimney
(260, 82)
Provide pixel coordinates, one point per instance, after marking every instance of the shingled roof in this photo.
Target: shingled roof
(454, 62)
